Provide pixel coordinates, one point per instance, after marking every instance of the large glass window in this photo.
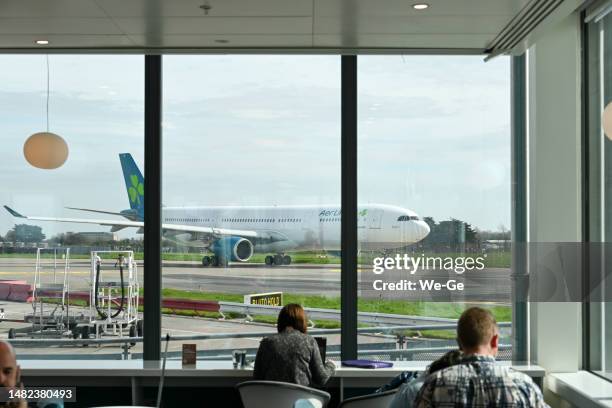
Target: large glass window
(251, 182)
(95, 103)
(251, 198)
(434, 196)
(599, 98)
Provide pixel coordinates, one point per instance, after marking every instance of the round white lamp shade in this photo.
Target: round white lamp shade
(606, 121)
(45, 150)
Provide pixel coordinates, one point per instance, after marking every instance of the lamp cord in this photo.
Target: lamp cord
(47, 93)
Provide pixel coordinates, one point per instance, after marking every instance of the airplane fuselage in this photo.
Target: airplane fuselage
(304, 227)
(234, 233)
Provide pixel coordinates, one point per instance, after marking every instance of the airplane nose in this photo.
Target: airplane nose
(423, 229)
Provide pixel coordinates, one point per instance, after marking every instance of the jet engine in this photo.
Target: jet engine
(233, 249)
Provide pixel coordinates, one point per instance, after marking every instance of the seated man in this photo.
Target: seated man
(477, 381)
(10, 377)
(404, 398)
(9, 373)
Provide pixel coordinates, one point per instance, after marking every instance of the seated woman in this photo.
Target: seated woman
(291, 355)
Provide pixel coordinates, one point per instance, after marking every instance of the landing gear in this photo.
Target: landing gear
(206, 261)
(278, 259)
(214, 260)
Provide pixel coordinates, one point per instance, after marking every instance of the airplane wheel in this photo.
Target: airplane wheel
(286, 260)
(269, 260)
(206, 261)
(278, 259)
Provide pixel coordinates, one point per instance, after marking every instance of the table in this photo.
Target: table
(217, 373)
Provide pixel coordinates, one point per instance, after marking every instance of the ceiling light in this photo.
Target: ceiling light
(46, 150)
(42, 42)
(420, 6)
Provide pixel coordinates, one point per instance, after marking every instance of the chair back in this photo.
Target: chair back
(266, 394)
(380, 399)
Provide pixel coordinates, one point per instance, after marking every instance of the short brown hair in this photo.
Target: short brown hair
(475, 328)
(292, 315)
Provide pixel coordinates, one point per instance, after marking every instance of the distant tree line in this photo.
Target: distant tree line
(24, 233)
(458, 236)
(33, 235)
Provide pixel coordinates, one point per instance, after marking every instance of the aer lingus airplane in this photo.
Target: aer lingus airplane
(234, 233)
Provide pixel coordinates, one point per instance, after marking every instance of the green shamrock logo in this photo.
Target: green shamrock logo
(136, 190)
(363, 213)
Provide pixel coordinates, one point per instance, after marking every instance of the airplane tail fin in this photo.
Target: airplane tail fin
(134, 183)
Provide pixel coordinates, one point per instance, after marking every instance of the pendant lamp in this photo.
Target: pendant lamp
(46, 150)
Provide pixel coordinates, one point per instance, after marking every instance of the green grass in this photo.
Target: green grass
(498, 259)
(433, 334)
(45, 256)
(434, 309)
(494, 259)
(193, 295)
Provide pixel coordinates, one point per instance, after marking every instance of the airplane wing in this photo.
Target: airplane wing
(95, 211)
(119, 224)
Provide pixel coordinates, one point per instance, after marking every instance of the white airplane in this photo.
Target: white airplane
(234, 233)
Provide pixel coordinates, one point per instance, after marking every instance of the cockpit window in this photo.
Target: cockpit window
(408, 218)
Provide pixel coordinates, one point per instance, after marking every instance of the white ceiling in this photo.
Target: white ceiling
(304, 24)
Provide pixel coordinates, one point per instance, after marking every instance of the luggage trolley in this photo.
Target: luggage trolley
(113, 303)
(50, 309)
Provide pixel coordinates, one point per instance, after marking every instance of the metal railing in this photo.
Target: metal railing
(214, 336)
(332, 314)
(126, 343)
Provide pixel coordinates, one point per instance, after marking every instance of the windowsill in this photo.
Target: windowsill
(209, 368)
(209, 373)
(582, 389)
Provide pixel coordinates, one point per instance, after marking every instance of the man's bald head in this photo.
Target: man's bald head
(7, 349)
(8, 365)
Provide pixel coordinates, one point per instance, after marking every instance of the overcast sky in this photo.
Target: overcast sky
(434, 133)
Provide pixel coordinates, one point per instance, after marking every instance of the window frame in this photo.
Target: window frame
(349, 216)
(594, 88)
